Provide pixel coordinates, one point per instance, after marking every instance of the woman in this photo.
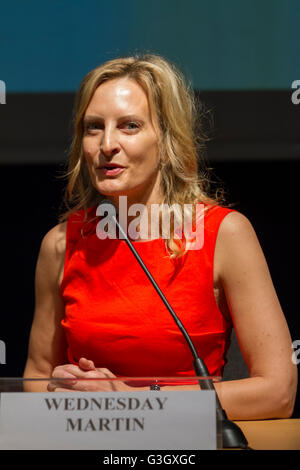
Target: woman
(96, 313)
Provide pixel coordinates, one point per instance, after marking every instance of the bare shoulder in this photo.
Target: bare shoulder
(51, 259)
(54, 242)
(236, 229)
(235, 224)
(237, 243)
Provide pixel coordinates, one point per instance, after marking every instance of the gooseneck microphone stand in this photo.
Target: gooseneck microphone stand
(232, 435)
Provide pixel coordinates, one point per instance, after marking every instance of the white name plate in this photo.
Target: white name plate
(109, 421)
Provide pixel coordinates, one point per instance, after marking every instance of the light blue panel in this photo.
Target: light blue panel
(50, 46)
(219, 44)
(227, 44)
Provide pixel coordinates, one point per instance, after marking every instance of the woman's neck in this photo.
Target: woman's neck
(135, 213)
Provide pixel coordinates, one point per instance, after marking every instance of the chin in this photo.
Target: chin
(112, 191)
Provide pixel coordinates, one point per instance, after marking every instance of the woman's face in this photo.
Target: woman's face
(120, 142)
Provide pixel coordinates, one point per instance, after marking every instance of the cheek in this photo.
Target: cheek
(144, 152)
(89, 148)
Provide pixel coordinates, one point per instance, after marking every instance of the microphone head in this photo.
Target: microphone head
(108, 202)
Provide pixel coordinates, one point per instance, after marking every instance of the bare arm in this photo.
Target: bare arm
(260, 325)
(47, 347)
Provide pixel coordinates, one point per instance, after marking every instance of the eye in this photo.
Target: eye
(131, 125)
(91, 126)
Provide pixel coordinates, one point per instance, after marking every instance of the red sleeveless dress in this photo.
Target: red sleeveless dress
(114, 316)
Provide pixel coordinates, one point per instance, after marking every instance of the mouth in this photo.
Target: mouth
(111, 169)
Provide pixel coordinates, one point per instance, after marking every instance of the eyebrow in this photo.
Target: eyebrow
(99, 118)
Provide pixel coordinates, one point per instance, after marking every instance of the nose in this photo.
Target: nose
(109, 145)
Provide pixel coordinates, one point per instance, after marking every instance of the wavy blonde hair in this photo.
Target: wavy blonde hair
(181, 143)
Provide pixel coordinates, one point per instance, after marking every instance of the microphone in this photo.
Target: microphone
(232, 435)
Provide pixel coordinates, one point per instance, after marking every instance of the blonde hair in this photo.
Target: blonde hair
(173, 107)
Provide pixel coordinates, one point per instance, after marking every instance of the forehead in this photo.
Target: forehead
(118, 96)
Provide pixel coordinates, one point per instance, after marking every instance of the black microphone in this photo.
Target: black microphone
(232, 435)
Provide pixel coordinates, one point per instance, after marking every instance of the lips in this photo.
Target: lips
(111, 169)
(110, 166)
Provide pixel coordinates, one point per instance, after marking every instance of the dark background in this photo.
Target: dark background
(254, 154)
